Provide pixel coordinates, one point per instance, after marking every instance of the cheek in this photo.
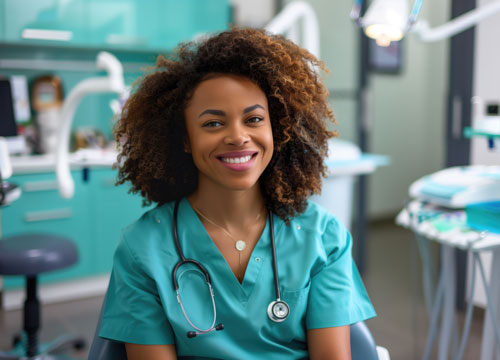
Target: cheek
(201, 148)
(269, 144)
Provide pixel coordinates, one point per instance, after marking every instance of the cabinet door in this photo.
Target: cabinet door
(154, 24)
(41, 209)
(185, 20)
(112, 210)
(117, 22)
(45, 21)
(2, 20)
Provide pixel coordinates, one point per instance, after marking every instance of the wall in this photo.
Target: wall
(406, 111)
(409, 113)
(486, 60)
(256, 13)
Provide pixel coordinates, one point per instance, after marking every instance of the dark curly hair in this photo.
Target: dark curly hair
(151, 130)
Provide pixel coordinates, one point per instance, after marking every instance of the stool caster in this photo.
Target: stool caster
(16, 340)
(79, 344)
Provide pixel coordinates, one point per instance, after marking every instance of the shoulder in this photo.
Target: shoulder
(322, 227)
(149, 233)
(316, 218)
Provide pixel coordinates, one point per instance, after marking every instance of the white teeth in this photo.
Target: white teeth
(239, 160)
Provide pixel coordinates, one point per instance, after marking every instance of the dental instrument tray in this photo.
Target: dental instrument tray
(457, 187)
(484, 216)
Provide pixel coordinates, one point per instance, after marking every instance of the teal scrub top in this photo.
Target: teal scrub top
(318, 279)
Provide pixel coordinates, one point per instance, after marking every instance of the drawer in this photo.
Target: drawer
(41, 209)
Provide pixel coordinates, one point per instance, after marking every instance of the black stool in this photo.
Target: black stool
(30, 255)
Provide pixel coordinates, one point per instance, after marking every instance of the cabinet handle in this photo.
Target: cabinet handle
(44, 34)
(31, 186)
(48, 215)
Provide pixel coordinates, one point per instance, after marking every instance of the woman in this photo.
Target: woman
(229, 139)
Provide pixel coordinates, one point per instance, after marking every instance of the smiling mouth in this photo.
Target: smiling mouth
(237, 160)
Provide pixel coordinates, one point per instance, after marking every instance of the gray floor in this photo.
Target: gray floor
(392, 271)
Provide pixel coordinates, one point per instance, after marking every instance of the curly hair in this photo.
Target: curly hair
(152, 129)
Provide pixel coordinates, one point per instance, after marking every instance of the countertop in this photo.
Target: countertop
(29, 164)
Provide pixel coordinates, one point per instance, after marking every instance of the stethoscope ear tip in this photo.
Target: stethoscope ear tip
(219, 327)
(191, 334)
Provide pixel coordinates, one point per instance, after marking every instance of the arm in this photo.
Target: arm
(150, 352)
(333, 343)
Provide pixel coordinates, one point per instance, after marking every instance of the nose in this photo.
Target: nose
(236, 135)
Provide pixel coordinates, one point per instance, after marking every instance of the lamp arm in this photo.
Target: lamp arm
(455, 26)
(113, 83)
(288, 18)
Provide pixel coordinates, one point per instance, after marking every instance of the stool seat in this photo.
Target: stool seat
(34, 253)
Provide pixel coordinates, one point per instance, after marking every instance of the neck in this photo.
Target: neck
(231, 208)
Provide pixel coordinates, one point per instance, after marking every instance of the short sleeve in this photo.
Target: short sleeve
(133, 311)
(337, 296)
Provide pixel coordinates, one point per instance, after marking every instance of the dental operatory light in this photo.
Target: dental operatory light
(389, 20)
(386, 20)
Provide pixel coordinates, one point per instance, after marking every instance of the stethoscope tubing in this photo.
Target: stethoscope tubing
(183, 258)
(275, 261)
(276, 304)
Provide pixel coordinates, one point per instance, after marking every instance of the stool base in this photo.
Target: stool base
(50, 351)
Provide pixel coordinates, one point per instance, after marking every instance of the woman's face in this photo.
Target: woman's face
(229, 132)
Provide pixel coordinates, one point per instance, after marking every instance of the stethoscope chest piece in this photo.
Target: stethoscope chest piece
(278, 310)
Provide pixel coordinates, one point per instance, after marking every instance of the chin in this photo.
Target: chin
(240, 185)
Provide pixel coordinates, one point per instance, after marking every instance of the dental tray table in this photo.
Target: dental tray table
(449, 227)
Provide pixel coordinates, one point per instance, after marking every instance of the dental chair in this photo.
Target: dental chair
(363, 346)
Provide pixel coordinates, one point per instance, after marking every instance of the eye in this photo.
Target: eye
(212, 123)
(255, 119)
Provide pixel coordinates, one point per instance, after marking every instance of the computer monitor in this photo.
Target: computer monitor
(8, 125)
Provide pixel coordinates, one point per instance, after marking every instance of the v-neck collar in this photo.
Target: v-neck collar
(197, 244)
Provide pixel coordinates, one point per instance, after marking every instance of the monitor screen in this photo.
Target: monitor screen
(8, 125)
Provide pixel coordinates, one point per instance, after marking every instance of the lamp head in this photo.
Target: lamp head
(386, 21)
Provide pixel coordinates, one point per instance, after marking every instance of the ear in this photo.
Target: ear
(187, 146)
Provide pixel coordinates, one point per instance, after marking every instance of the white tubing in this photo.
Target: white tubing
(457, 25)
(114, 68)
(5, 164)
(111, 83)
(288, 18)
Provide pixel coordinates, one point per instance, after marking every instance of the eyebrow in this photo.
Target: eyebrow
(222, 113)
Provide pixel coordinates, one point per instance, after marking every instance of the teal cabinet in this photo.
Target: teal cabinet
(93, 218)
(154, 24)
(2, 21)
(123, 24)
(183, 21)
(112, 209)
(40, 208)
(45, 21)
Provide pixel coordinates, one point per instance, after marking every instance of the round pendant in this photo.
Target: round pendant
(240, 245)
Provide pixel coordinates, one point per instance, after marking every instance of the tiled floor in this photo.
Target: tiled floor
(391, 276)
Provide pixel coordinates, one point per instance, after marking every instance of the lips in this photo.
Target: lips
(238, 160)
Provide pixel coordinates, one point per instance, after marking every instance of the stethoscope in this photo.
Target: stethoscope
(278, 310)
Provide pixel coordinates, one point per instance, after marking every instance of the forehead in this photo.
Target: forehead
(226, 90)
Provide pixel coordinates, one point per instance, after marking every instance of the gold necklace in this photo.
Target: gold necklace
(239, 245)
